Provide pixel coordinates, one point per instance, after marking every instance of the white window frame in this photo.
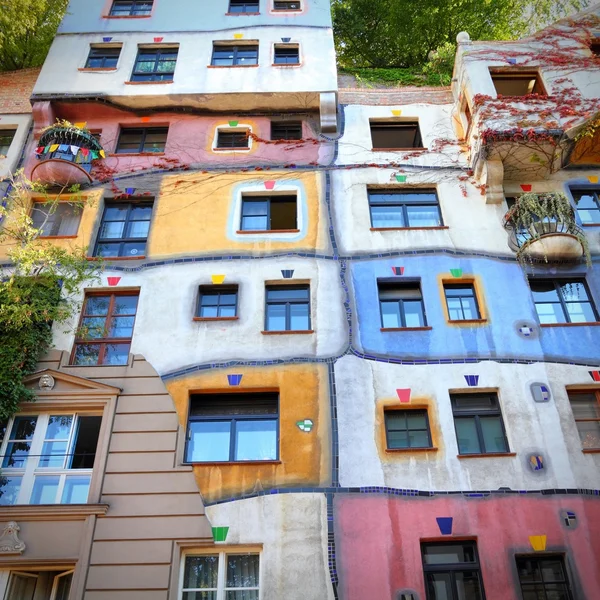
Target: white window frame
(31, 470)
(238, 128)
(222, 571)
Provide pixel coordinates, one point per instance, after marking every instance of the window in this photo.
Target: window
(586, 411)
(595, 46)
(217, 302)
(226, 55)
(286, 130)
(137, 140)
(287, 55)
(562, 301)
(56, 219)
(407, 429)
(543, 578)
(106, 328)
(128, 8)
(269, 213)
(395, 135)
(124, 229)
(452, 571)
(41, 585)
(283, 5)
(517, 83)
(221, 576)
(6, 138)
(233, 427)
(478, 423)
(461, 301)
(233, 138)
(288, 308)
(401, 305)
(243, 6)
(404, 208)
(103, 57)
(587, 203)
(48, 459)
(155, 64)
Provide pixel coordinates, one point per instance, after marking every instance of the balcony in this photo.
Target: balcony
(65, 154)
(543, 228)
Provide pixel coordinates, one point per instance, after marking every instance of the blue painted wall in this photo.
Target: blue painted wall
(509, 306)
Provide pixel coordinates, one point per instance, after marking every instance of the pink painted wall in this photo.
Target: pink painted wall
(190, 138)
(378, 540)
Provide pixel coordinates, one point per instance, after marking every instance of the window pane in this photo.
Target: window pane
(242, 595)
(299, 317)
(387, 216)
(574, 291)
(439, 586)
(242, 570)
(76, 490)
(108, 250)
(275, 317)
(227, 311)
(543, 291)
(200, 572)
(138, 229)
(209, 311)
(112, 230)
(397, 439)
(423, 216)
(413, 313)
(125, 305)
(21, 587)
(255, 224)
(59, 427)
(86, 354)
(467, 585)
(53, 454)
(418, 439)
(585, 406)
(440, 554)
(589, 432)
(199, 595)
(92, 327)
(9, 490)
(287, 293)
(455, 309)
(416, 419)
(116, 354)
(121, 327)
(44, 489)
(550, 313)
(134, 249)
(256, 440)
(581, 312)
(84, 450)
(469, 308)
(208, 441)
(390, 314)
(17, 451)
(493, 436)
(466, 435)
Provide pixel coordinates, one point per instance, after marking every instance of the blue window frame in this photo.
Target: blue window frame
(243, 6)
(287, 308)
(155, 64)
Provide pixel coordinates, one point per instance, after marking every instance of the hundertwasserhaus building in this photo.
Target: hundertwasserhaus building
(346, 342)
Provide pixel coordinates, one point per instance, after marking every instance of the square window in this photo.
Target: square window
(287, 5)
(269, 213)
(461, 301)
(478, 423)
(56, 218)
(241, 55)
(562, 301)
(6, 139)
(286, 130)
(586, 412)
(135, 140)
(543, 577)
(448, 566)
(401, 305)
(233, 138)
(394, 208)
(155, 64)
(287, 308)
(105, 329)
(517, 83)
(233, 427)
(395, 135)
(407, 429)
(103, 57)
(288, 54)
(217, 302)
(129, 8)
(234, 576)
(587, 204)
(243, 6)
(124, 229)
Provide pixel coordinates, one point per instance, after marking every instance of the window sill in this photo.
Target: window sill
(290, 332)
(473, 321)
(117, 154)
(410, 228)
(286, 65)
(57, 237)
(427, 328)
(591, 450)
(399, 149)
(96, 69)
(52, 512)
(233, 462)
(487, 455)
(215, 318)
(241, 14)
(283, 11)
(148, 82)
(585, 324)
(230, 66)
(234, 149)
(126, 16)
(590, 224)
(407, 450)
(113, 258)
(270, 231)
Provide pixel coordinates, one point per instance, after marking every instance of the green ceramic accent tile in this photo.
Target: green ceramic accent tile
(456, 272)
(220, 533)
(233, 123)
(401, 178)
(305, 425)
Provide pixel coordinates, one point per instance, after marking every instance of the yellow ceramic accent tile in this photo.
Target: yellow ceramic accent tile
(238, 36)
(538, 542)
(217, 279)
(593, 178)
(396, 112)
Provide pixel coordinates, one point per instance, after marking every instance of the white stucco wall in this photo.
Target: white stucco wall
(541, 428)
(22, 124)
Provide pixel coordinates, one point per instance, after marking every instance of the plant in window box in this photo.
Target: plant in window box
(544, 227)
(39, 287)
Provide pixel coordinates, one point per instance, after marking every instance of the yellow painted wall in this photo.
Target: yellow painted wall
(304, 457)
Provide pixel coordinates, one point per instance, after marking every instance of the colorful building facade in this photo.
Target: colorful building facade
(332, 354)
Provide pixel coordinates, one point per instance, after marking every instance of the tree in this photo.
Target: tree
(402, 33)
(38, 287)
(27, 28)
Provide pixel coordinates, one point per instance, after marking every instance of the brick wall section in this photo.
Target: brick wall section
(15, 90)
(396, 96)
